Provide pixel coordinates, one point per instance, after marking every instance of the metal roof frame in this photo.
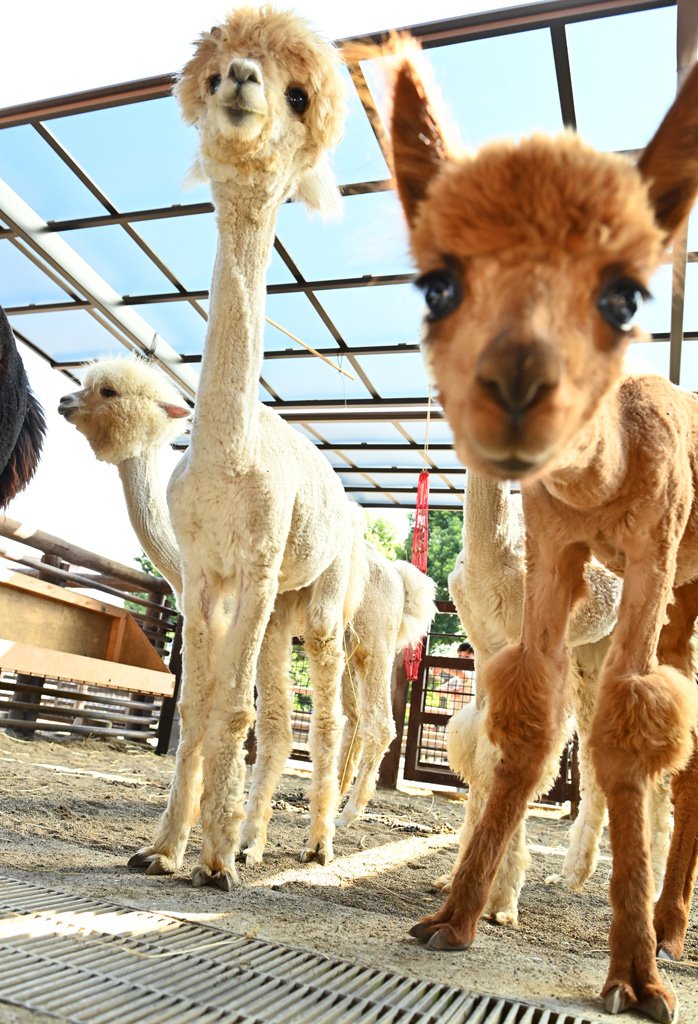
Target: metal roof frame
(41, 242)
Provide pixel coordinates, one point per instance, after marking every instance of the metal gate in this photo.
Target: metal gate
(445, 685)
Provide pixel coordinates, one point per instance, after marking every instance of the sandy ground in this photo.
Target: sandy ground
(72, 813)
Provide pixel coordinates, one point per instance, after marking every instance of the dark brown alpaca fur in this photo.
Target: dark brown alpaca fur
(530, 376)
(22, 425)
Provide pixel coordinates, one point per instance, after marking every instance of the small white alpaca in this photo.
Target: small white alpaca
(487, 587)
(396, 608)
(129, 413)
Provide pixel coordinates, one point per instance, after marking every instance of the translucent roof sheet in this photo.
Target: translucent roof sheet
(107, 175)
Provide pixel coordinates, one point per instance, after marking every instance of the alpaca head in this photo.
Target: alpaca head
(532, 260)
(125, 409)
(267, 97)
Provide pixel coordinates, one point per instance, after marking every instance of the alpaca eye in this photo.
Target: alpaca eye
(213, 83)
(618, 302)
(297, 99)
(442, 293)
(108, 392)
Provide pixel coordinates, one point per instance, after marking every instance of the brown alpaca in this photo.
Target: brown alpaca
(532, 259)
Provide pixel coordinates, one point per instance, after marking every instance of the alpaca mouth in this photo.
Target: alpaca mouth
(67, 409)
(513, 467)
(237, 112)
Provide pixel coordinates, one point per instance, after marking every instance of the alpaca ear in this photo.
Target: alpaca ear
(317, 188)
(175, 412)
(669, 164)
(418, 144)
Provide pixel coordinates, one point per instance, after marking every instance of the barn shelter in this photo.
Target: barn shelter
(102, 251)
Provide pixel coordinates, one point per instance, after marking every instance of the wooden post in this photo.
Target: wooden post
(168, 726)
(390, 766)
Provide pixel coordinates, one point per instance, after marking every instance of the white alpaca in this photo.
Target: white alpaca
(129, 413)
(253, 519)
(487, 589)
(396, 608)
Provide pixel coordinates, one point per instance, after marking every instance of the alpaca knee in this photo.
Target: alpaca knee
(524, 708)
(644, 723)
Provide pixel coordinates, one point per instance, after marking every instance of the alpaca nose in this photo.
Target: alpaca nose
(242, 71)
(518, 374)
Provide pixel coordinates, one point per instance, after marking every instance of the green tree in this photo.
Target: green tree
(381, 535)
(445, 542)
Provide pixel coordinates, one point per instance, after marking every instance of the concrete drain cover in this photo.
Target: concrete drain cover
(89, 962)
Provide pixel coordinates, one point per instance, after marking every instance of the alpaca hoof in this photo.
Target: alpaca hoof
(658, 1009)
(618, 999)
(223, 880)
(665, 954)
(440, 942)
(251, 857)
(160, 866)
(421, 931)
(153, 863)
(320, 854)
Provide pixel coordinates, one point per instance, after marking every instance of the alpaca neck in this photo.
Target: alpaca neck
(226, 420)
(595, 463)
(491, 528)
(147, 511)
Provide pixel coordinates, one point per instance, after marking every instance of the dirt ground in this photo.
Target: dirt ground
(71, 813)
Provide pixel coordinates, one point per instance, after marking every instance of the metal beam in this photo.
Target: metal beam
(137, 334)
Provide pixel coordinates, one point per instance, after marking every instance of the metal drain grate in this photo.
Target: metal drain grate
(98, 963)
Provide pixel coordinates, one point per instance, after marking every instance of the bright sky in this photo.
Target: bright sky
(82, 44)
(51, 48)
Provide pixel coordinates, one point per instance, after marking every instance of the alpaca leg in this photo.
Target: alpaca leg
(583, 846)
(376, 729)
(350, 750)
(474, 758)
(525, 687)
(585, 833)
(165, 854)
(643, 725)
(674, 905)
(326, 662)
(661, 828)
(274, 738)
(231, 715)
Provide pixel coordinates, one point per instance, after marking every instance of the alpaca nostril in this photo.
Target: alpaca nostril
(517, 376)
(242, 71)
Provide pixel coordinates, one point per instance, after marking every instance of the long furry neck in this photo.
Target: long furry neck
(491, 524)
(147, 511)
(226, 419)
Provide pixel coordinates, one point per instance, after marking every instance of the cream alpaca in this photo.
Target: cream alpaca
(129, 413)
(487, 587)
(530, 294)
(253, 519)
(396, 608)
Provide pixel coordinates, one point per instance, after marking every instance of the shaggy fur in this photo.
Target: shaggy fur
(22, 424)
(529, 242)
(487, 587)
(129, 412)
(256, 511)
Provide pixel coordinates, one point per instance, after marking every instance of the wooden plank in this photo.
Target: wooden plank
(19, 581)
(75, 555)
(42, 620)
(42, 661)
